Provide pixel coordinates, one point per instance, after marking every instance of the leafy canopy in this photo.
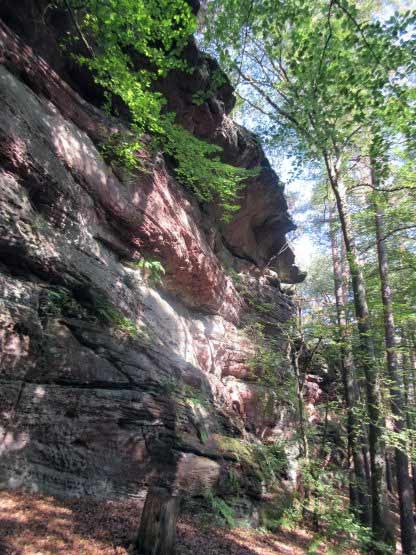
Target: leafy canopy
(320, 69)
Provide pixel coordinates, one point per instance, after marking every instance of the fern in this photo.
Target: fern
(221, 508)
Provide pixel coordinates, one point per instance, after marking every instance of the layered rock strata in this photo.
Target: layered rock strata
(111, 382)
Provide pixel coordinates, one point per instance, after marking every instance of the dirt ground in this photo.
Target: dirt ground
(33, 524)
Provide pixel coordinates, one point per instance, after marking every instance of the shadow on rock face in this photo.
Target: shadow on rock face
(103, 375)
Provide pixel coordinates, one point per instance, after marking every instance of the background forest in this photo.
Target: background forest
(336, 80)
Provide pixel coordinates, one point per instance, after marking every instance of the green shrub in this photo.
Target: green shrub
(271, 460)
(232, 482)
(122, 152)
(153, 268)
(56, 300)
(108, 314)
(329, 509)
(222, 509)
(198, 167)
(266, 363)
(60, 302)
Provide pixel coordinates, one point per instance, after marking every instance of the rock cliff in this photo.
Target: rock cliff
(111, 381)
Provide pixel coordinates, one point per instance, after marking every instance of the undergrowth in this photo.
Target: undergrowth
(222, 509)
(327, 510)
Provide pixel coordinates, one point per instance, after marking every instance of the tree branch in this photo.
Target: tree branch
(78, 28)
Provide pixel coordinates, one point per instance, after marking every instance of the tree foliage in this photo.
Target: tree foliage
(131, 45)
(339, 81)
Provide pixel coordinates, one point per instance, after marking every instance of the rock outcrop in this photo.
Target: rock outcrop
(111, 382)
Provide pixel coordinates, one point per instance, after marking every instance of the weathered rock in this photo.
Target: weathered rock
(110, 383)
(258, 232)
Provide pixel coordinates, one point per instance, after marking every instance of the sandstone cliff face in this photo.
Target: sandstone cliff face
(110, 382)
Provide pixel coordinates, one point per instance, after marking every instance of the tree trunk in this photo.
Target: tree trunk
(380, 527)
(364, 451)
(413, 394)
(157, 532)
(389, 473)
(404, 483)
(409, 396)
(300, 379)
(358, 483)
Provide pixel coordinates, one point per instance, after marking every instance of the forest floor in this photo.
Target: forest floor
(33, 524)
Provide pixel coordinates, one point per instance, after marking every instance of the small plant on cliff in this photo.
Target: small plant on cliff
(271, 460)
(217, 81)
(107, 313)
(123, 324)
(200, 168)
(152, 269)
(232, 481)
(266, 358)
(57, 298)
(121, 152)
(59, 301)
(151, 35)
(195, 396)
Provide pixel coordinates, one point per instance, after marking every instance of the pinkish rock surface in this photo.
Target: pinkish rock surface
(109, 382)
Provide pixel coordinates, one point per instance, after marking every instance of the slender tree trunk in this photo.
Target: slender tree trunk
(413, 392)
(380, 526)
(408, 402)
(389, 473)
(364, 451)
(296, 355)
(358, 483)
(157, 532)
(413, 368)
(362, 440)
(404, 483)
